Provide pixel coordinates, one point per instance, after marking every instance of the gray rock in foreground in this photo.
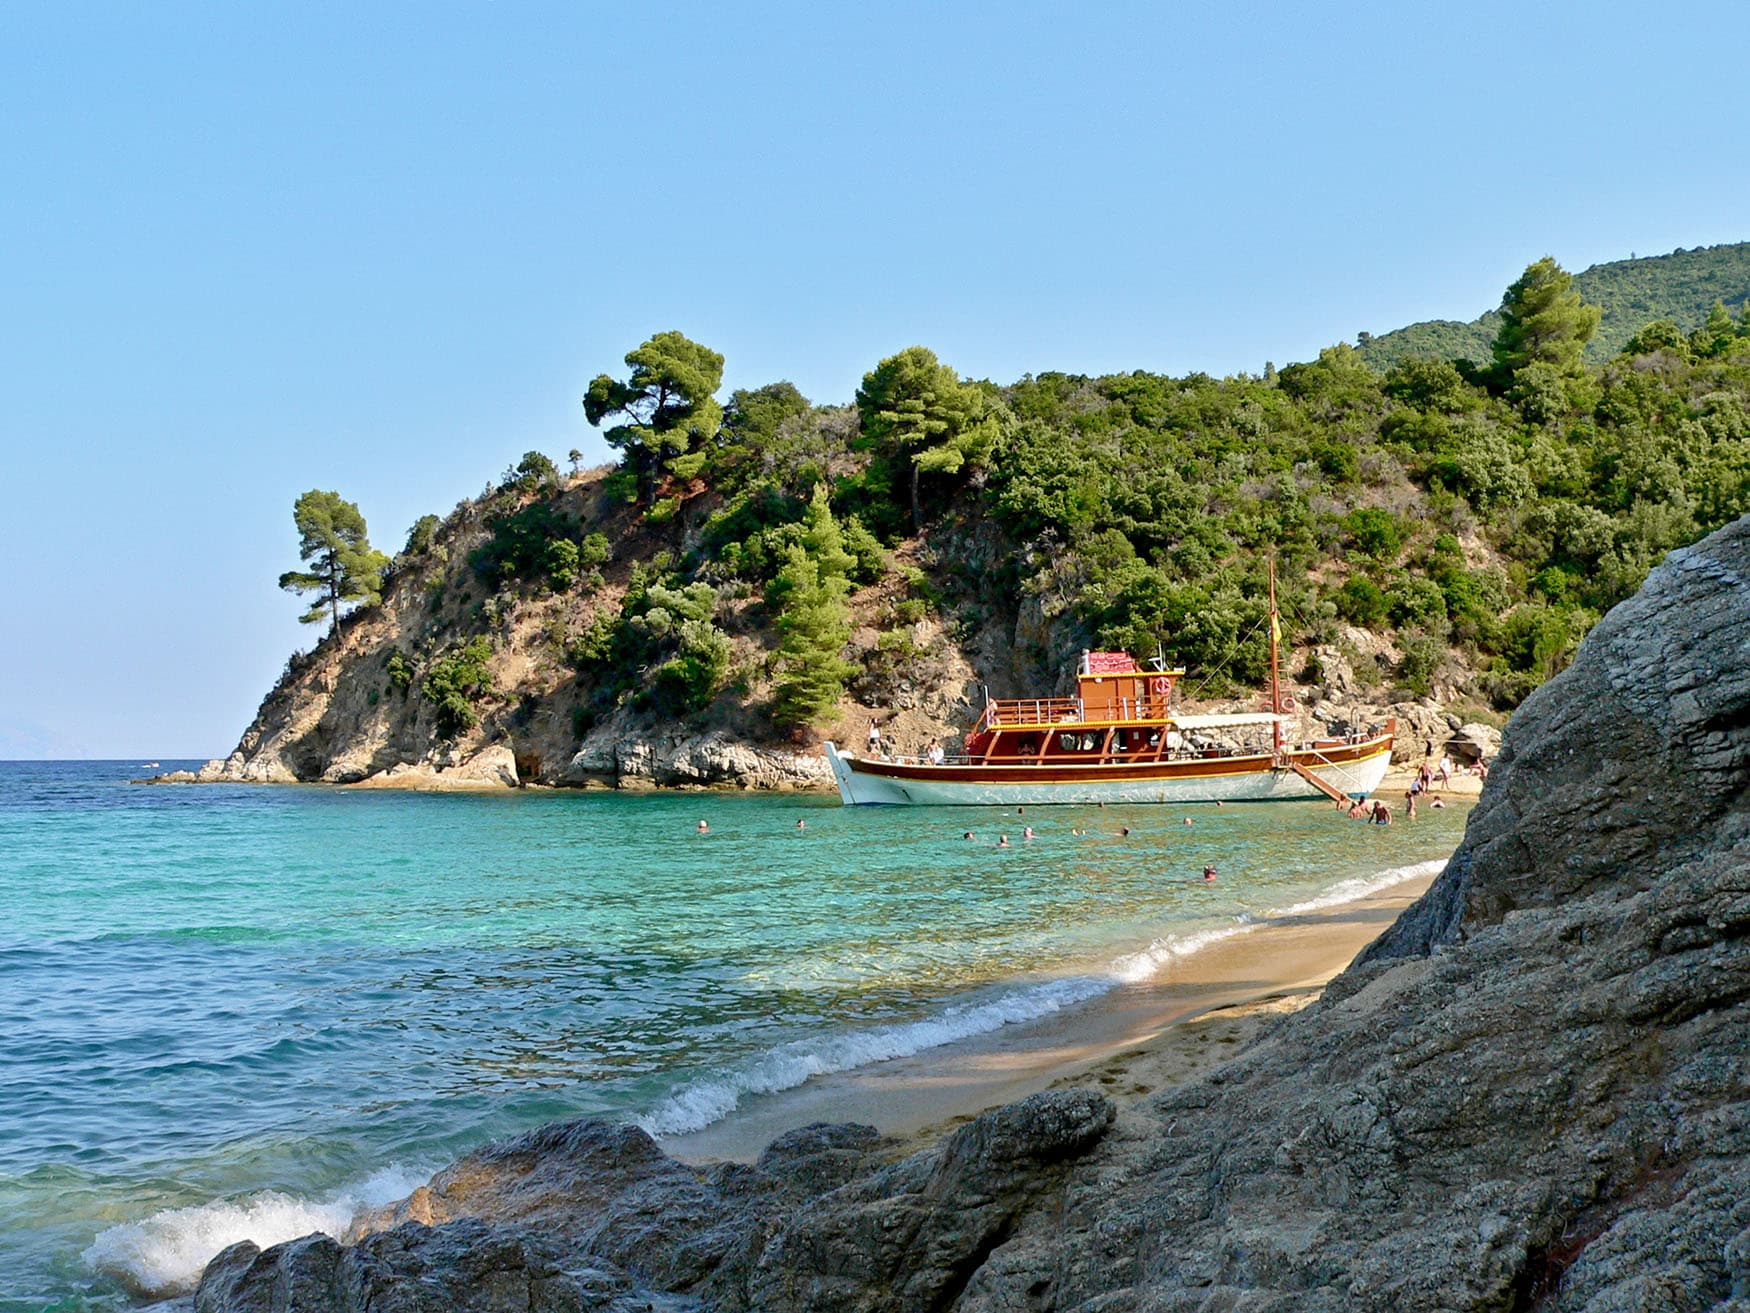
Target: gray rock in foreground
(1532, 1093)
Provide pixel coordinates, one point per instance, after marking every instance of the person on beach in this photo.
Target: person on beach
(1444, 774)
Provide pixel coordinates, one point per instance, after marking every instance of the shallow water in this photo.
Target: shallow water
(230, 1011)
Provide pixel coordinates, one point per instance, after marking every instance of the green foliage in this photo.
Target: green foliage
(1375, 532)
(918, 416)
(1543, 321)
(1361, 602)
(533, 473)
(592, 550)
(332, 540)
(457, 682)
(668, 404)
(807, 600)
(537, 542)
(1421, 657)
(399, 670)
(421, 536)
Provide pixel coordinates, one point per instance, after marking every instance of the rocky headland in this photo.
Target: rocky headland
(351, 711)
(1533, 1092)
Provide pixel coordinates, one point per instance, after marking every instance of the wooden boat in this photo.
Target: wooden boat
(1118, 740)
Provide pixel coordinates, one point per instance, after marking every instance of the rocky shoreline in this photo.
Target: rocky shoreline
(1532, 1092)
(718, 760)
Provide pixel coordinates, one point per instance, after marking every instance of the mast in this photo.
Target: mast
(1275, 677)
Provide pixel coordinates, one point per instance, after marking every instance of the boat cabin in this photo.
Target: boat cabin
(1120, 712)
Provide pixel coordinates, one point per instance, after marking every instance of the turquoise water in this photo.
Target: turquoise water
(232, 1011)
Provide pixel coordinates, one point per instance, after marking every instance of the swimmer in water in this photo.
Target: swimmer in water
(801, 825)
(967, 835)
(1208, 875)
(1027, 832)
(1125, 831)
(1187, 820)
(1003, 842)
(704, 828)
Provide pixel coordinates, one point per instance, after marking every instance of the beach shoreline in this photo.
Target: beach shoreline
(1196, 1011)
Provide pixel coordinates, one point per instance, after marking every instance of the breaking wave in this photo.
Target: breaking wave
(163, 1254)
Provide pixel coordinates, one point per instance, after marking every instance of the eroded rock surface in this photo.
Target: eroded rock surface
(1532, 1093)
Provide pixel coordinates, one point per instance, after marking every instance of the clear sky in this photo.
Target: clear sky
(251, 249)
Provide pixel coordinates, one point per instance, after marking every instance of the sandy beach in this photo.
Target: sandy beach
(1139, 1037)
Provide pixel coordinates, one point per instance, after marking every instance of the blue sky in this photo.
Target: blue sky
(247, 250)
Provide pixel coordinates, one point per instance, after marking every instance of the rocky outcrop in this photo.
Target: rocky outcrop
(1532, 1093)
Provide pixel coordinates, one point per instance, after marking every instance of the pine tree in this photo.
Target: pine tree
(1543, 320)
(808, 599)
(333, 540)
(670, 404)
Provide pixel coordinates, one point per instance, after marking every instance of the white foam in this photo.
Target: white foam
(703, 1102)
(1362, 886)
(163, 1255)
(1146, 963)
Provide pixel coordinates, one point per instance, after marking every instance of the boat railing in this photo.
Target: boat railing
(1002, 713)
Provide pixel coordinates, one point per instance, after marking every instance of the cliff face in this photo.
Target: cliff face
(1532, 1093)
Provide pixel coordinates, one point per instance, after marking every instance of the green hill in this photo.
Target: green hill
(1682, 286)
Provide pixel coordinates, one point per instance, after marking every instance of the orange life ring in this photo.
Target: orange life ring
(1159, 685)
(1288, 704)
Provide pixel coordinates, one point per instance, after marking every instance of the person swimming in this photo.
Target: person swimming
(1208, 875)
(704, 828)
(801, 824)
(1027, 832)
(1003, 842)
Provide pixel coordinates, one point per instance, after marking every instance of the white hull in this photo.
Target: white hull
(859, 787)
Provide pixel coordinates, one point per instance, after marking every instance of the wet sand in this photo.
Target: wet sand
(1131, 1041)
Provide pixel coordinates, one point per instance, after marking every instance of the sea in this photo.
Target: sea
(234, 1012)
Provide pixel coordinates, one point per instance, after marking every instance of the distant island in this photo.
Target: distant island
(1449, 515)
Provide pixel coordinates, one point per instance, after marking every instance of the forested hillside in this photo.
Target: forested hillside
(768, 568)
(1682, 287)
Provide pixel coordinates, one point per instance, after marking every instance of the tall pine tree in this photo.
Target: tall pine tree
(344, 566)
(808, 599)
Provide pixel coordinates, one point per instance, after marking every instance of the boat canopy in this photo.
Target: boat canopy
(1221, 722)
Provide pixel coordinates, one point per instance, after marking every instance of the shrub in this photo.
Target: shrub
(1374, 531)
(456, 682)
(1361, 602)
